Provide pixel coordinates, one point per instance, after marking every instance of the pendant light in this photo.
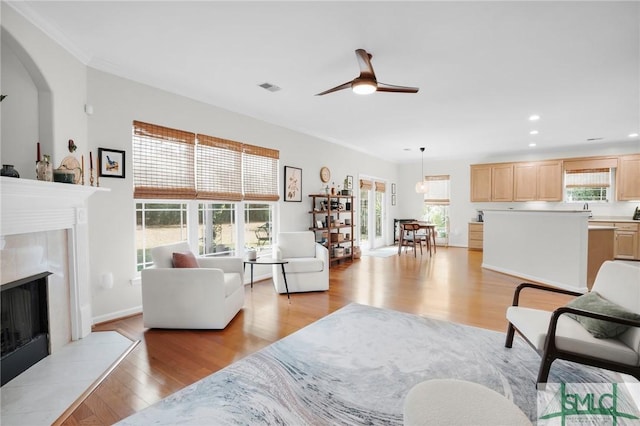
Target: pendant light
(421, 187)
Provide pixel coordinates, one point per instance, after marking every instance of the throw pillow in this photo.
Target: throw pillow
(601, 329)
(184, 260)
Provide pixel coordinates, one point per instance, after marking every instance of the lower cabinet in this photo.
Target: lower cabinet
(627, 242)
(476, 235)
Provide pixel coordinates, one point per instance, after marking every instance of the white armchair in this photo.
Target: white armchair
(308, 263)
(206, 297)
(559, 335)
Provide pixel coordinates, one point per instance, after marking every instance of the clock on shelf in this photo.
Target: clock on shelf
(325, 174)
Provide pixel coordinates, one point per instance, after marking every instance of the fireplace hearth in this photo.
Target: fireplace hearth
(24, 325)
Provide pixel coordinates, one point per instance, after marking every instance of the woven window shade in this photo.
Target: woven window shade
(260, 173)
(588, 178)
(162, 162)
(366, 184)
(219, 169)
(380, 187)
(438, 189)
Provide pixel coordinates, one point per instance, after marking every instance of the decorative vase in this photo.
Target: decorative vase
(9, 171)
(252, 255)
(44, 169)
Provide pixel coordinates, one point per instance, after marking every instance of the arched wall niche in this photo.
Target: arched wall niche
(27, 111)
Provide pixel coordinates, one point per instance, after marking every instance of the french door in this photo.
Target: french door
(372, 215)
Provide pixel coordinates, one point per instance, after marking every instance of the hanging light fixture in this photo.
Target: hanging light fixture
(421, 187)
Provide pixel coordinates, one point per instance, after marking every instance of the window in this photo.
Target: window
(158, 224)
(258, 226)
(436, 203)
(587, 185)
(379, 200)
(216, 229)
(217, 179)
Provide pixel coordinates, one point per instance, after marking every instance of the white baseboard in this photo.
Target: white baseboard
(117, 315)
(535, 278)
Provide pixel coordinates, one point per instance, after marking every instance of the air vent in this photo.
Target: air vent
(270, 87)
(594, 139)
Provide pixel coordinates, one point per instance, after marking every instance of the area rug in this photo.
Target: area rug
(355, 367)
(382, 252)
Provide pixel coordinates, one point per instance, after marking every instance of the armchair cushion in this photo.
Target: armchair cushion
(184, 260)
(600, 329)
(570, 335)
(304, 265)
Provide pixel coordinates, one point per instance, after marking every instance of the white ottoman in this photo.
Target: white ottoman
(444, 402)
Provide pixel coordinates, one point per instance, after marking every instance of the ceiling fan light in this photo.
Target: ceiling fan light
(363, 87)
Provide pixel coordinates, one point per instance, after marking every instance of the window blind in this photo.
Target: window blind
(380, 187)
(162, 162)
(260, 173)
(219, 169)
(438, 189)
(366, 184)
(589, 178)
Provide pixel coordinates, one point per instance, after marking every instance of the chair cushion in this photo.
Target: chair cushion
(570, 335)
(184, 260)
(593, 302)
(309, 264)
(231, 283)
(297, 244)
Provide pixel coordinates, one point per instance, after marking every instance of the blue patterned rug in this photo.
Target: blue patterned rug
(355, 366)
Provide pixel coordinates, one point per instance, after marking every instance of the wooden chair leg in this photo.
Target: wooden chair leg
(545, 366)
(510, 333)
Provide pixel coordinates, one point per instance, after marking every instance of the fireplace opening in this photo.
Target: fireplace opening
(24, 325)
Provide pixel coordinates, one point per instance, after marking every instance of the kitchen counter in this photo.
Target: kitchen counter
(624, 219)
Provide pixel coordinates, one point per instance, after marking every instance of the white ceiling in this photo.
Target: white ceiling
(482, 67)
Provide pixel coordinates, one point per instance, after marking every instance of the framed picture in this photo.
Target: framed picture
(393, 188)
(292, 184)
(393, 199)
(319, 224)
(110, 163)
(349, 182)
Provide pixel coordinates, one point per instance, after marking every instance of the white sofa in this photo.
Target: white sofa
(308, 263)
(557, 336)
(207, 297)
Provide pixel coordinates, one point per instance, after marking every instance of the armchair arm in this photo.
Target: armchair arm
(322, 253)
(516, 295)
(227, 264)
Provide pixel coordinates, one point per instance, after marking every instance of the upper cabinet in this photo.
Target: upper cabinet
(491, 182)
(628, 178)
(538, 181)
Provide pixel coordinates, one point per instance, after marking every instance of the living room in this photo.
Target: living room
(91, 103)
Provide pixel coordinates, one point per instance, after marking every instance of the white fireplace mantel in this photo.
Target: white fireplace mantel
(31, 206)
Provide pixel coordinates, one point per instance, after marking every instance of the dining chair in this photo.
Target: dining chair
(410, 238)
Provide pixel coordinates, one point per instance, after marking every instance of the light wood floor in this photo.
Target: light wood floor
(451, 286)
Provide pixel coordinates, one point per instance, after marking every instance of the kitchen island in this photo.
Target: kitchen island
(545, 246)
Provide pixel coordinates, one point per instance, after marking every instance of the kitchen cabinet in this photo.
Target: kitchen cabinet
(538, 181)
(627, 241)
(628, 178)
(476, 236)
(492, 182)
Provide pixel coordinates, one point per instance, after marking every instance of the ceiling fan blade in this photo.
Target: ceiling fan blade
(364, 61)
(346, 85)
(383, 87)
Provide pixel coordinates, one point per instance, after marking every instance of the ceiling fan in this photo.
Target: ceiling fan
(366, 82)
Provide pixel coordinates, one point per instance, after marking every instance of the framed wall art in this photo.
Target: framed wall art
(110, 163)
(292, 184)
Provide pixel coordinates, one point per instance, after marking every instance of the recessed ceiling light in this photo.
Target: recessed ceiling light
(633, 135)
(533, 132)
(534, 117)
(531, 145)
